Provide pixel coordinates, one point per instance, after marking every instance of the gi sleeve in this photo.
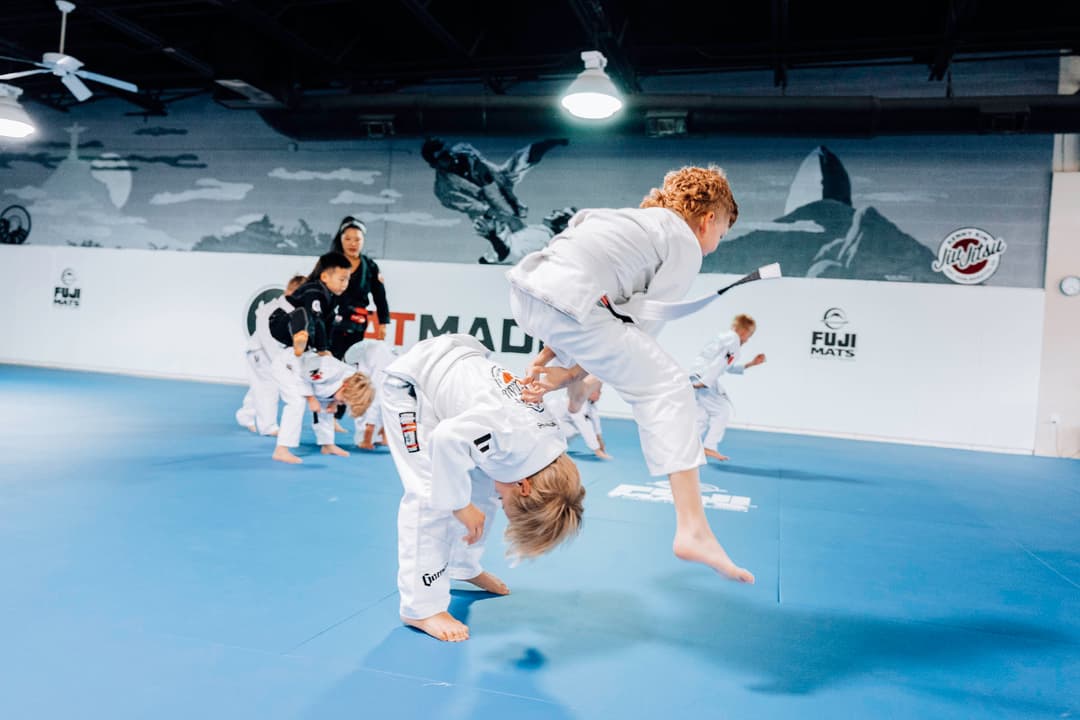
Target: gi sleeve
(584, 425)
(717, 365)
(594, 419)
(455, 446)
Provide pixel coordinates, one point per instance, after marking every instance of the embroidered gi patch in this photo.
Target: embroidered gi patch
(408, 431)
(511, 388)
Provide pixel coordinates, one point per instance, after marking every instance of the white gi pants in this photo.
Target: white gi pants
(623, 356)
(571, 424)
(294, 392)
(431, 549)
(261, 401)
(714, 410)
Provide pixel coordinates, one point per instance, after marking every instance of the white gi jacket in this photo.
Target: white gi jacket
(480, 421)
(627, 254)
(719, 356)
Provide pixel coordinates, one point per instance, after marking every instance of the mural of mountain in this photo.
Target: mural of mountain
(844, 242)
(820, 177)
(81, 204)
(262, 236)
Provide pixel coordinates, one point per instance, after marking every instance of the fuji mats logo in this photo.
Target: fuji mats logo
(969, 256)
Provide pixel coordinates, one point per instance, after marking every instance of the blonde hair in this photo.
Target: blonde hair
(358, 393)
(294, 282)
(693, 191)
(745, 322)
(549, 514)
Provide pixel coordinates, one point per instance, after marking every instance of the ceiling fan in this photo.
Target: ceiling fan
(66, 67)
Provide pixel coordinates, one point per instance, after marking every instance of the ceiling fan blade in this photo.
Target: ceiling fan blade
(76, 86)
(24, 73)
(20, 60)
(106, 80)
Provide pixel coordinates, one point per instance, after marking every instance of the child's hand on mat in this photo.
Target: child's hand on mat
(473, 520)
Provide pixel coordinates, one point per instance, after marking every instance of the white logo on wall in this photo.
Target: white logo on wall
(830, 343)
(66, 294)
(712, 497)
(969, 256)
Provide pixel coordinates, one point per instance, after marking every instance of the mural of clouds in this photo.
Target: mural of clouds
(79, 217)
(348, 197)
(239, 223)
(422, 219)
(104, 219)
(364, 177)
(28, 192)
(913, 196)
(209, 189)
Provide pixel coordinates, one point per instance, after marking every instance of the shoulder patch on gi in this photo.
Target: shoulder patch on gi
(511, 388)
(408, 431)
(483, 443)
(316, 306)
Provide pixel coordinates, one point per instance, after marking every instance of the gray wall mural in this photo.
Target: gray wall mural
(208, 179)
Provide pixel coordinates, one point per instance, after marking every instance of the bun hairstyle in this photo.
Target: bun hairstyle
(347, 222)
(693, 191)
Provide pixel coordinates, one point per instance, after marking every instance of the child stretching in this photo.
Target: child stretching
(371, 358)
(294, 366)
(721, 355)
(460, 434)
(319, 383)
(260, 407)
(579, 296)
(584, 422)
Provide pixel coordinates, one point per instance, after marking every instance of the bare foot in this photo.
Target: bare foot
(283, 454)
(603, 455)
(715, 455)
(490, 583)
(366, 444)
(337, 427)
(441, 627)
(706, 550)
(252, 428)
(272, 433)
(382, 437)
(334, 450)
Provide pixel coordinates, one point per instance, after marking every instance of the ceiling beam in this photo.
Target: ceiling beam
(779, 41)
(420, 11)
(149, 39)
(251, 12)
(959, 12)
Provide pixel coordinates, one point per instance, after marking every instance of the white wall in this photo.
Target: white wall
(934, 364)
(1059, 387)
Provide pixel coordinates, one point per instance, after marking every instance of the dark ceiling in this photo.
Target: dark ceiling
(308, 56)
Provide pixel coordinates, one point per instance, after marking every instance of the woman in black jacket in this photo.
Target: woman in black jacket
(365, 282)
